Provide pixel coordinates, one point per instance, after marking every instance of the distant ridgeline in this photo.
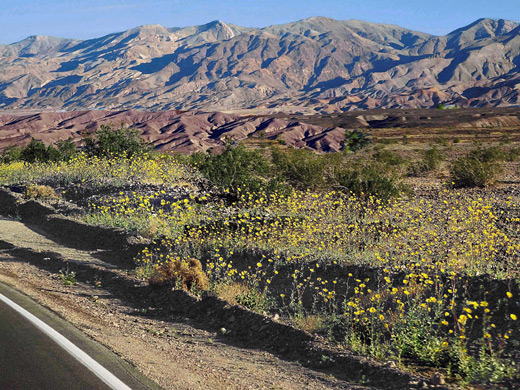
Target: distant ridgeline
(313, 65)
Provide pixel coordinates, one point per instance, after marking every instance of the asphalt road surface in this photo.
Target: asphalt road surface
(32, 360)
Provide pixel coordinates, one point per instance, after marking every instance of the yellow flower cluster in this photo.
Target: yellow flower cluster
(94, 171)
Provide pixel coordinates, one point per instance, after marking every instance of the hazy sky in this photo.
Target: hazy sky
(85, 19)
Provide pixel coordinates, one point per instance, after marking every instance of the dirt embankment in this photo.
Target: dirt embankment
(178, 340)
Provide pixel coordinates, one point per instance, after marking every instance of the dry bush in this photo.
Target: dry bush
(185, 273)
(40, 192)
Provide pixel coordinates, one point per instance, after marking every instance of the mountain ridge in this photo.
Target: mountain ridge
(317, 64)
(184, 132)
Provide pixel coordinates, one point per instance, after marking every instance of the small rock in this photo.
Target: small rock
(438, 379)
(222, 330)
(276, 317)
(391, 364)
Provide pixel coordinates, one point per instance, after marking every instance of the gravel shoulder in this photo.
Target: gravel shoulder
(174, 352)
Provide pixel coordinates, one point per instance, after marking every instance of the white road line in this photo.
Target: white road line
(96, 368)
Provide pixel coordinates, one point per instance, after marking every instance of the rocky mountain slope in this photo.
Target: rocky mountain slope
(313, 65)
(168, 130)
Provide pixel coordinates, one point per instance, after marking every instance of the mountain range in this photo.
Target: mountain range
(313, 65)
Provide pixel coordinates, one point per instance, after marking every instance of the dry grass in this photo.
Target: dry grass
(230, 291)
(310, 323)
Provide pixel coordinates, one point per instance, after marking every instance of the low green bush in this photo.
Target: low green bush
(372, 179)
(431, 161)
(513, 154)
(38, 151)
(355, 140)
(481, 167)
(470, 171)
(302, 169)
(489, 155)
(389, 158)
(109, 141)
(235, 169)
(11, 154)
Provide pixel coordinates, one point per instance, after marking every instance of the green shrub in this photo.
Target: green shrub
(489, 155)
(355, 140)
(254, 300)
(513, 154)
(122, 142)
(433, 158)
(388, 157)
(302, 169)
(68, 277)
(11, 154)
(66, 149)
(482, 167)
(235, 169)
(470, 171)
(37, 151)
(372, 179)
(240, 169)
(431, 161)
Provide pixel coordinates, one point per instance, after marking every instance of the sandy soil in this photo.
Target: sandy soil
(175, 353)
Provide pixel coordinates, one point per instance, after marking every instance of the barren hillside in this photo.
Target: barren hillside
(313, 65)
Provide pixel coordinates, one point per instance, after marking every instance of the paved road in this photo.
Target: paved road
(31, 360)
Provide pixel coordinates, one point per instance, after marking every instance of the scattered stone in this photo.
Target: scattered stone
(438, 379)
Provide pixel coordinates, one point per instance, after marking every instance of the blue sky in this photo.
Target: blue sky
(85, 19)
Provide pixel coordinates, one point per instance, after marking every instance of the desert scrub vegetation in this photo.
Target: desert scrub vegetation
(110, 141)
(332, 243)
(40, 192)
(431, 161)
(37, 151)
(481, 167)
(183, 273)
(107, 141)
(429, 282)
